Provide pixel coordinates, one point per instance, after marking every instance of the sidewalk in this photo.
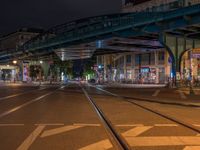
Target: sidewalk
(20, 83)
(155, 93)
(122, 85)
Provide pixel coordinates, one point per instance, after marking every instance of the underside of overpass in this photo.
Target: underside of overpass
(176, 31)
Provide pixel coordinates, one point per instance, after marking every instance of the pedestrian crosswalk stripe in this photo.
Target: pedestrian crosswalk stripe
(31, 138)
(129, 125)
(192, 148)
(104, 144)
(182, 94)
(136, 131)
(165, 125)
(164, 141)
(59, 130)
(156, 93)
(86, 124)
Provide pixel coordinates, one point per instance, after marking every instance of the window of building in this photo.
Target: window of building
(137, 59)
(152, 59)
(161, 57)
(128, 59)
(146, 59)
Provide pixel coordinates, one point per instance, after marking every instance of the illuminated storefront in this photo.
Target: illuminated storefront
(190, 65)
(143, 68)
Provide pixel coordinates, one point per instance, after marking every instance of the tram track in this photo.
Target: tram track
(117, 140)
(115, 134)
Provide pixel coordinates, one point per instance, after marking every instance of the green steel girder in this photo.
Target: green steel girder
(101, 27)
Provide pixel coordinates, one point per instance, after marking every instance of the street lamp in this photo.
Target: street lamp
(41, 62)
(14, 62)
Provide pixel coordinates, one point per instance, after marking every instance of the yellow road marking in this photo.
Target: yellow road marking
(5, 125)
(102, 145)
(164, 141)
(192, 148)
(182, 94)
(59, 130)
(156, 93)
(165, 125)
(31, 138)
(91, 125)
(197, 125)
(129, 125)
(50, 124)
(136, 131)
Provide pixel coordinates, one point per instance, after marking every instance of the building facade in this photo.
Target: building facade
(11, 42)
(145, 68)
(14, 40)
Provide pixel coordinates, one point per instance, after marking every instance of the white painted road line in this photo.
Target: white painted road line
(50, 124)
(102, 145)
(24, 105)
(31, 138)
(192, 148)
(196, 125)
(156, 93)
(90, 125)
(164, 141)
(59, 130)
(182, 95)
(136, 131)
(7, 125)
(166, 125)
(129, 125)
(18, 94)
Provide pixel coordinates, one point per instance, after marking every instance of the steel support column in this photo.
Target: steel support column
(162, 39)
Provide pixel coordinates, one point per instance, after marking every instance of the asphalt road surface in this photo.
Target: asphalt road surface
(63, 118)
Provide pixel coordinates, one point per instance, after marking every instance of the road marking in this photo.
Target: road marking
(6, 125)
(182, 94)
(23, 105)
(129, 125)
(104, 144)
(192, 148)
(59, 130)
(156, 93)
(51, 124)
(91, 125)
(136, 131)
(31, 138)
(166, 125)
(196, 125)
(164, 141)
(15, 95)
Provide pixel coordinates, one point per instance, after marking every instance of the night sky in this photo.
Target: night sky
(15, 14)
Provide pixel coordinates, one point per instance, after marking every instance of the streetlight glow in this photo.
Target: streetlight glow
(14, 62)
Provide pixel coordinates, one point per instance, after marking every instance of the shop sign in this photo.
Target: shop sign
(178, 76)
(196, 55)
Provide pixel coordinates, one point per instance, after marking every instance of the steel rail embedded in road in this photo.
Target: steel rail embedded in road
(182, 123)
(116, 139)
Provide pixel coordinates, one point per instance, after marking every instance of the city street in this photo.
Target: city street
(63, 117)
